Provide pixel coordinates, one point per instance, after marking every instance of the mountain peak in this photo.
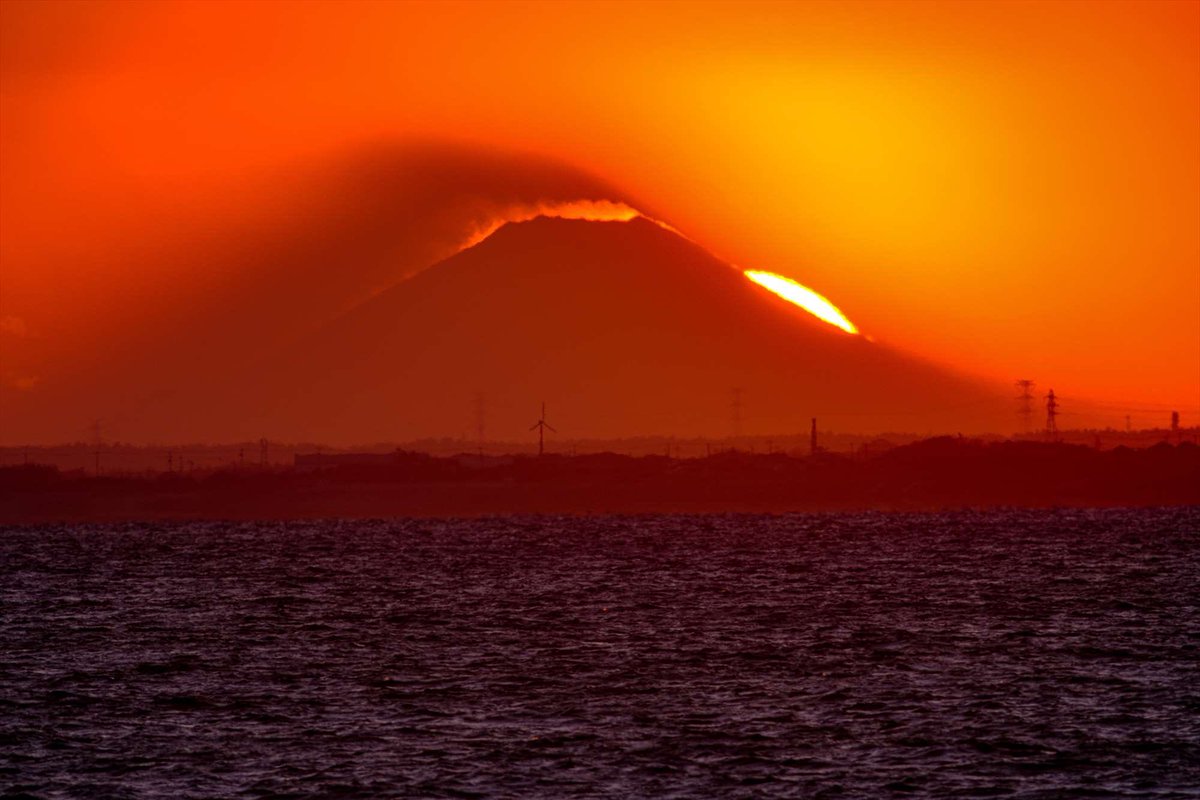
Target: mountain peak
(624, 328)
(548, 229)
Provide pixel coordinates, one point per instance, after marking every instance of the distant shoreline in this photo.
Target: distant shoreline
(930, 475)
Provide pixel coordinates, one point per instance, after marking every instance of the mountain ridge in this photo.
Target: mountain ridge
(625, 328)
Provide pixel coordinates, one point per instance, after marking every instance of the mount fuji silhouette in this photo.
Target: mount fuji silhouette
(623, 328)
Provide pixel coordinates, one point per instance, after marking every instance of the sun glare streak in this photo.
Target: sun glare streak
(802, 296)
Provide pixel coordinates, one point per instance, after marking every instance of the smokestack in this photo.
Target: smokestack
(812, 441)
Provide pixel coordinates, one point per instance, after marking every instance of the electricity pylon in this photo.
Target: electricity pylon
(480, 419)
(735, 408)
(97, 440)
(1051, 415)
(1025, 398)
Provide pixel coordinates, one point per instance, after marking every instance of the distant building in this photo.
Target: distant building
(311, 462)
(315, 461)
(473, 461)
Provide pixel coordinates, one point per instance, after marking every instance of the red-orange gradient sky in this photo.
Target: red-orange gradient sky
(1010, 188)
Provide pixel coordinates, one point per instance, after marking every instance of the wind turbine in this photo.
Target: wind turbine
(541, 425)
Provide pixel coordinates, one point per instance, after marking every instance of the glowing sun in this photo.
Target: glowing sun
(802, 296)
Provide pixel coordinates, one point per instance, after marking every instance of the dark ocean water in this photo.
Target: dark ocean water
(1016, 654)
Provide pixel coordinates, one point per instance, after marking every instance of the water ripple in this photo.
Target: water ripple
(1007, 654)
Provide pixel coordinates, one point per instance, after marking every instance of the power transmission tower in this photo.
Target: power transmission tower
(262, 452)
(96, 440)
(1175, 426)
(735, 407)
(1025, 403)
(480, 418)
(541, 425)
(812, 438)
(1052, 416)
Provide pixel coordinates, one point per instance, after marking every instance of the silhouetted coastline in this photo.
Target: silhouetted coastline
(932, 474)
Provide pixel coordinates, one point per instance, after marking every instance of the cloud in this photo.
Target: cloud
(595, 210)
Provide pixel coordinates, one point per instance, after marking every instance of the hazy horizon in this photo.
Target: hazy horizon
(988, 188)
(992, 411)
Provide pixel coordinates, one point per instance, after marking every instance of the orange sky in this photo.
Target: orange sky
(1010, 188)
